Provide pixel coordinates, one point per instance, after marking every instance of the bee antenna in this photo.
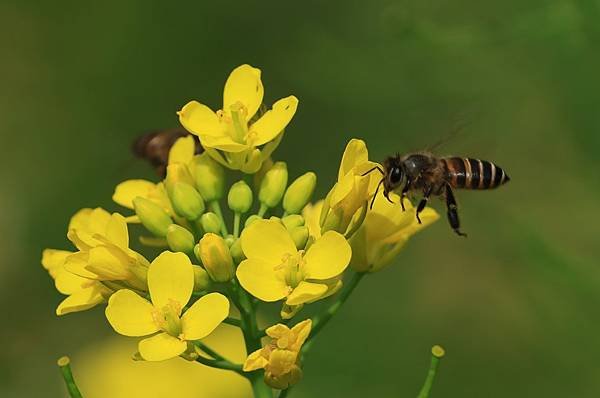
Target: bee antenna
(373, 169)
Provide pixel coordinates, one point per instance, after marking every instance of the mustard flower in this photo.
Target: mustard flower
(83, 293)
(104, 254)
(280, 358)
(274, 269)
(352, 189)
(170, 283)
(385, 231)
(233, 130)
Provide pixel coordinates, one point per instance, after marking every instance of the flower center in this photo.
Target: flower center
(292, 265)
(238, 118)
(167, 318)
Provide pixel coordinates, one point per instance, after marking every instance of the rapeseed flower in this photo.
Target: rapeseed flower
(233, 135)
(170, 284)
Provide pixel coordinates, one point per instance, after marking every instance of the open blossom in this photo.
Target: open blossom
(385, 231)
(234, 130)
(280, 358)
(170, 283)
(275, 269)
(352, 189)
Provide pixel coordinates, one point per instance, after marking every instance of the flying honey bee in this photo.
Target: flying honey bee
(423, 172)
(154, 147)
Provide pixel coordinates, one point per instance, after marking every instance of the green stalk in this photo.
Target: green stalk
(437, 353)
(215, 207)
(320, 320)
(64, 363)
(236, 224)
(224, 364)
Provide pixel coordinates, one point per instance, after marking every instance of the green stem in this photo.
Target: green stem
(215, 363)
(233, 322)
(236, 224)
(210, 351)
(260, 389)
(64, 363)
(437, 353)
(319, 321)
(215, 207)
(262, 210)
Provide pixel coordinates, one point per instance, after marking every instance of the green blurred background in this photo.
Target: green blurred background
(515, 305)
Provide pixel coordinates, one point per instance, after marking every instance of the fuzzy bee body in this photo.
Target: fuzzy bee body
(430, 175)
(154, 147)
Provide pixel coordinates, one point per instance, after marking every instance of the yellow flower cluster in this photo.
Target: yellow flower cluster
(274, 246)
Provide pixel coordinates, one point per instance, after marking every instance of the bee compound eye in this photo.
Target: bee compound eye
(396, 175)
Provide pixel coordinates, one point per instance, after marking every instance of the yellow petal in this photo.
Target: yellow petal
(182, 150)
(69, 283)
(80, 301)
(116, 231)
(282, 361)
(267, 241)
(199, 119)
(428, 216)
(354, 154)
(161, 347)
(170, 277)
(342, 189)
(327, 257)
(76, 264)
(274, 121)
(312, 214)
(108, 263)
(130, 314)
(277, 331)
(224, 143)
(261, 280)
(255, 361)
(302, 330)
(244, 85)
(53, 260)
(204, 316)
(128, 190)
(305, 292)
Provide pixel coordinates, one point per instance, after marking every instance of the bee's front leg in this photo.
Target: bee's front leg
(405, 190)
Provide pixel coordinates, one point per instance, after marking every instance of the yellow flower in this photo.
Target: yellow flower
(312, 214)
(83, 293)
(103, 242)
(170, 283)
(352, 190)
(274, 269)
(233, 130)
(384, 232)
(280, 358)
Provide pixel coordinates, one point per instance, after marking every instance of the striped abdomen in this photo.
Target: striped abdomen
(474, 173)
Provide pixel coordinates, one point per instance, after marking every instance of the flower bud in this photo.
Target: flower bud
(210, 222)
(299, 193)
(186, 201)
(209, 177)
(180, 239)
(273, 185)
(201, 278)
(239, 198)
(236, 251)
(152, 216)
(216, 258)
(299, 236)
(177, 172)
(293, 220)
(251, 219)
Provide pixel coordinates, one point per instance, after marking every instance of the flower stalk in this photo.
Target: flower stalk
(437, 352)
(64, 363)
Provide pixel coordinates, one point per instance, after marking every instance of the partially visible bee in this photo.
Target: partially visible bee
(154, 147)
(423, 172)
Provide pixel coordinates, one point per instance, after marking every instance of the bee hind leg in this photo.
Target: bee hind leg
(423, 202)
(453, 212)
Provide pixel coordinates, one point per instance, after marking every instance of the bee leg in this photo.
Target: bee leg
(423, 202)
(403, 194)
(453, 212)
